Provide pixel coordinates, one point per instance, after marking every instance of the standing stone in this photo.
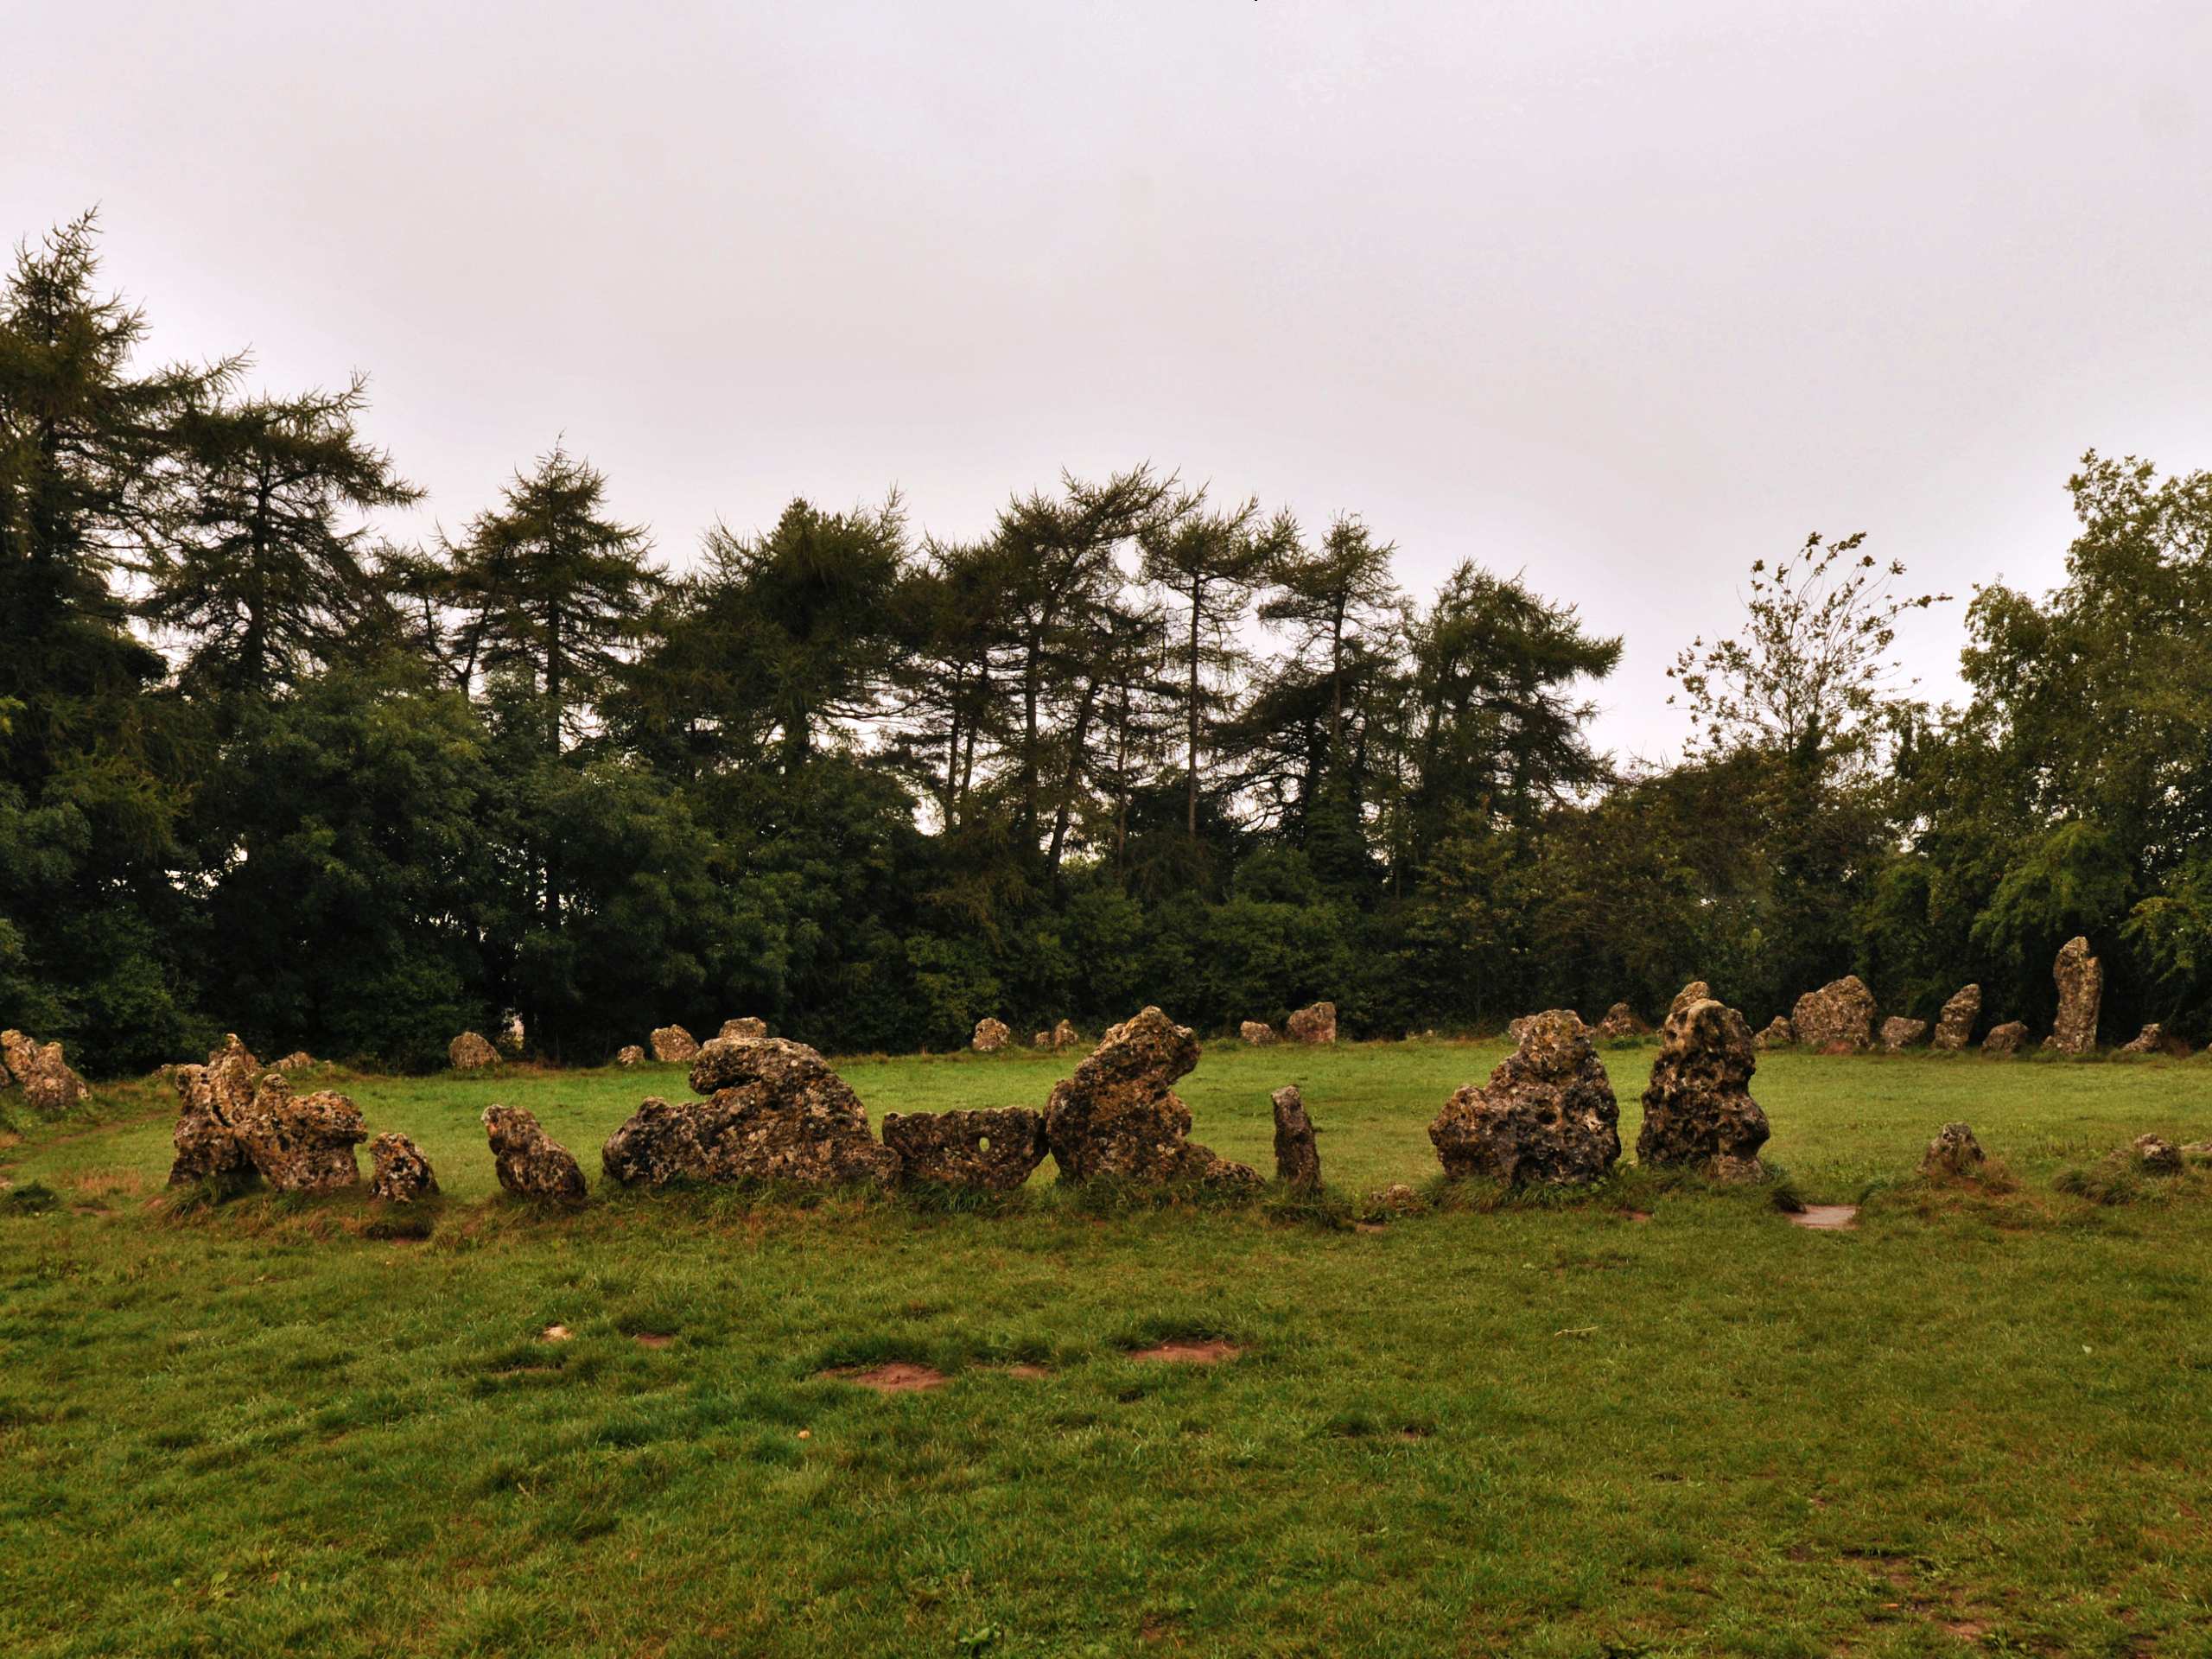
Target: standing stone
(470, 1052)
(1955, 1024)
(1779, 1034)
(1064, 1035)
(1257, 1033)
(2152, 1040)
(2080, 979)
(213, 1101)
(673, 1046)
(1548, 1113)
(399, 1173)
(1838, 1018)
(512, 1035)
(1899, 1033)
(1042, 1039)
(1621, 1020)
(1316, 1023)
(1119, 1117)
(1298, 1160)
(993, 1151)
(747, 1030)
(530, 1163)
(1952, 1154)
(302, 1143)
(2005, 1039)
(630, 1055)
(49, 1087)
(1698, 1110)
(991, 1036)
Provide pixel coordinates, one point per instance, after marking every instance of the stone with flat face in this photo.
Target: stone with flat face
(991, 1151)
(470, 1052)
(747, 1029)
(1899, 1033)
(1315, 1023)
(673, 1046)
(1257, 1033)
(1838, 1018)
(302, 1143)
(1955, 1024)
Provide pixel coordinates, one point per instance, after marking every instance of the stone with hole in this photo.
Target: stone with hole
(302, 1143)
(991, 1151)
(1119, 1118)
(1547, 1114)
(1698, 1109)
(530, 1163)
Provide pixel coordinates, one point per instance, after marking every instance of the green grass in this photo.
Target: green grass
(1982, 1422)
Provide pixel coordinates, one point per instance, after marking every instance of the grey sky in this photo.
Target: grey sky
(1623, 296)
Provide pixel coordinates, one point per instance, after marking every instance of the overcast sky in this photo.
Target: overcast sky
(1621, 297)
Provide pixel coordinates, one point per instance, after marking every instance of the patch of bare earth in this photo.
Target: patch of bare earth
(898, 1376)
(1211, 1350)
(1825, 1217)
(651, 1339)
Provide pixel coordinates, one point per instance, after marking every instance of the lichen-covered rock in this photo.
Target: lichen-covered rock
(2080, 979)
(470, 1052)
(775, 1112)
(302, 1143)
(2153, 1040)
(530, 1163)
(213, 1101)
(630, 1054)
(1119, 1117)
(1257, 1033)
(991, 1036)
(1899, 1033)
(1621, 1020)
(1955, 1024)
(2156, 1155)
(1298, 1160)
(1777, 1033)
(1953, 1153)
(1315, 1023)
(673, 1046)
(39, 1071)
(993, 1151)
(746, 1030)
(1698, 1109)
(1838, 1018)
(2006, 1038)
(1042, 1039)
(1696, 991)
(1548, 1113)
(297, 1060)
(398, 1172)
(1396, 1200)
(1064, 1035)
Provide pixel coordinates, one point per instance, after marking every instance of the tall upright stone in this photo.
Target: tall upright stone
(1955, 1024)
(1118, 1117)
(1298, 1160)
(2080, 979)
(1698, 1109)
(213, 1101)
(1547, 1115)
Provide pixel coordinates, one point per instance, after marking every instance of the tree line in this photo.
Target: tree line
(265, 768)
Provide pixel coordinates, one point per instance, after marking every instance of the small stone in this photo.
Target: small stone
(747, 1030)
(1119, 1117)
(470, 1052)
(1315, 1023)
(1298, 1160)
(1257, 1033)
(511, 1034)
(1396, 1199)
(1953, 1153)
(1779, 1033)
(49, 1087)
(399, 1173)
(2080, 979)
(1547, 1115)
(1621, 1020)
(1698, 1109)
(1838, 1018)
(1955, 1024)
(631, 1054)
(2152, 1040)
(1899, 1033)
(673, 1046)
(298, 1061)
(1042, 1039)
(2006, 1038)
(530, 1162)
(2157, 1155)
(991, 1036)
(992, 1151)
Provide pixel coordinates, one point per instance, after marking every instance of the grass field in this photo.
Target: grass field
(1660, 1420)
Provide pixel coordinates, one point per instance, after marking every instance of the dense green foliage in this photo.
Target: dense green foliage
(263, 769)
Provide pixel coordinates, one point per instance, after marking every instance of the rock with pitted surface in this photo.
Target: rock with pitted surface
(2156, 1155)
(1621, 1020)
(530, 1163)
(302, 1143)
(213, 1101)
(1547, 1115)
(2006, 1038)
(1119, 1118)
(2080, 979)
(470, 1052)
(673, 1046)
(1257, 1033)
(1696, 991)
(1838, 1018)
(1042, 1039)
(297, 1060)
(747, 1030)
(775, 1112)
(1954, 1154)
(991, 1151)
(1298, 1160)
(1899, 1033)
(40, 1072)
(399, 1173)
(2153, 1040)
(630, 1054)
(991, 1036)
(1955, 1024)
(1779, 1033)
(1315, 1023)
(1698, 1109)
(1064, 1035)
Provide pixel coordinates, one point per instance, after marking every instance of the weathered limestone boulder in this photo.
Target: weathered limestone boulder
(1621, 1020)
(991, 1036)
(1779, 1033)
(470, 1052)
(1120, 1118)
(1698, 1109)
(1298, 1160)
(1899, 1033)
(1064, 1035)
(994, 1151)
(1838, 1018)
(2157, 1155)
(1548, 1113)
(39, 1072)
(1955, 1024)
(302, 1143)
(298, 1061)
(1953, 1153)
(1696, 991)
(673, 1046)
(213, 1101)
(2080, 979)
(747, 1030)
(1042, 1039)
(1315, 1023)
(630, 1054)
(2007, 1039)
(530, 1163)
(399, 1173)
(1257, 1033)
(775, 1112)
(2152, 1040)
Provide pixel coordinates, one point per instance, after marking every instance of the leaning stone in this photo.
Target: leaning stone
(631, 1054)
(2006, 1038)
(302, 1143)
(673, 1046)
(1899, 1033)
(1621, 1020)
(1119, 1117)
(1298, 1160)
(2152, 1040)
(991, 1036)
(399, 1173)
(992, 1151)
(470, 1052)
(1955, 1024)
(213, 1101)
(747, 1030)
(1547, 1115)
(530, 1163)
(1257, 1033)
(1838, 1018)
(2080, 979)
(2156, 1155)
(1779, 1034)
(1698, 1109)
(1315, 1023)
(1953, 1153)
(49, 1087)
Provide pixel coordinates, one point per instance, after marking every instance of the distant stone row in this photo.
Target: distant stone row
(1314, 1024)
